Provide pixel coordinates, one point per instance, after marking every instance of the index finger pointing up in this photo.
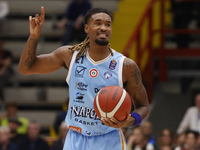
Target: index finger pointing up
(42, 13)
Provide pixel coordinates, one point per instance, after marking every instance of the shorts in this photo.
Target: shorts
(113, 140)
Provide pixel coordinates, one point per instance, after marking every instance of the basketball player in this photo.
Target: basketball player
(91, 66)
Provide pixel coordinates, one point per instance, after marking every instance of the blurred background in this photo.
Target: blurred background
(162, 36)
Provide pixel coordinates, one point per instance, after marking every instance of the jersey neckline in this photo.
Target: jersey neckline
(97, 62)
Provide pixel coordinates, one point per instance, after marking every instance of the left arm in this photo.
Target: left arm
(132, 79)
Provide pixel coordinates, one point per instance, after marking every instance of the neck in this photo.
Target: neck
(98, 52)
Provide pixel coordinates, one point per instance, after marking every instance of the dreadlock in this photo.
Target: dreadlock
(81, 47)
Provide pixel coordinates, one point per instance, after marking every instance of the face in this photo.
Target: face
(13, 127)
(181, 139)
(147, 128)
(197, 101)
(165, 137)
(12, 111)
(99, 28)
(190, 140)
(4, 136)
(33, 131)
(138, 136)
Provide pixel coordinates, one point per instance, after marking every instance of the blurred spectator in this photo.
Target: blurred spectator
(5, 143)
(5, 67)
(14, 124)
(180, 140)
(137, 141)
(191, 141)
(11, 111)
(127, 132)
(191, 119)
(182, 14)
(58, 145)
(147, 128)
(4, 10)
(165, 140)
(61, 116)
(73, 20)
(33, 141)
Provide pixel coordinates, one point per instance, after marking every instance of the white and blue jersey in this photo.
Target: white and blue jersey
(85, 78)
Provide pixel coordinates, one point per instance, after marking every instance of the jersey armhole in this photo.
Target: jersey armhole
(70, 66)
(120, 71)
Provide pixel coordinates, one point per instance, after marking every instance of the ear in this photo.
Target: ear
(86, 28)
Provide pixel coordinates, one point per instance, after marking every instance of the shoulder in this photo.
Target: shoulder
(192, 109)
(129, 63)
(130, 68)
(64, 50)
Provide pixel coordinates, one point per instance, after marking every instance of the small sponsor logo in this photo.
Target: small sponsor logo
(81, 86)
(80, 70)
(112, 65)
(107, 75)
(88, 132)
(96, 90)
(79, 95)
(93, 73)
(76, 129)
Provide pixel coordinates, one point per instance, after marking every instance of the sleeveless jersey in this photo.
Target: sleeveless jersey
(85, 78)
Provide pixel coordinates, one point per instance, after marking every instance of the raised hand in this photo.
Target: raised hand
(36, 23)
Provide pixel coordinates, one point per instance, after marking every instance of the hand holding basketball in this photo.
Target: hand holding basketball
(112, 122)
(36, 23)
(113, 104)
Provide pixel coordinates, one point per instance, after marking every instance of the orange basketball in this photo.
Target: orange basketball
(112, 101)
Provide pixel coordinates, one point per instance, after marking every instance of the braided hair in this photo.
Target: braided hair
(83, 45)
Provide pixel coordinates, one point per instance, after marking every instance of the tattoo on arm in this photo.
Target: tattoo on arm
(136, 74)
(127, 63)
(32, 44)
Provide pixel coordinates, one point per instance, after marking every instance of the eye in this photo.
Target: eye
(97, 23)
(108, 24)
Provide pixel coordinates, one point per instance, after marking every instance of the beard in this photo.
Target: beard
(101, 42)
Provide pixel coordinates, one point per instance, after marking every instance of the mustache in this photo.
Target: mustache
(102, 32)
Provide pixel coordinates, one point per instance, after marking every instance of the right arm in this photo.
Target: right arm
(185, 122)
(30, 63)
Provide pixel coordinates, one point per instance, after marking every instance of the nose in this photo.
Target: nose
(103, 27)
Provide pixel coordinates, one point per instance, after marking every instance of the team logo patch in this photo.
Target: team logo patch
(80, 70)
(107, 75)
(112, 65)
(93, 73)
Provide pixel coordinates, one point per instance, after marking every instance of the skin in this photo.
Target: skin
(99, 27)
(197, 101)
(33, 131)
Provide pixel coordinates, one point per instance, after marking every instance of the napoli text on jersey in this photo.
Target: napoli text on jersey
(85, 78)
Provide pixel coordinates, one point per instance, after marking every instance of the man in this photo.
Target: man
(14, 124)
(191, 119)
(58, 145)
(5, 143)
(147, 128)
(73, 20)
(92, 65)
(12, 111)
(33, 141)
